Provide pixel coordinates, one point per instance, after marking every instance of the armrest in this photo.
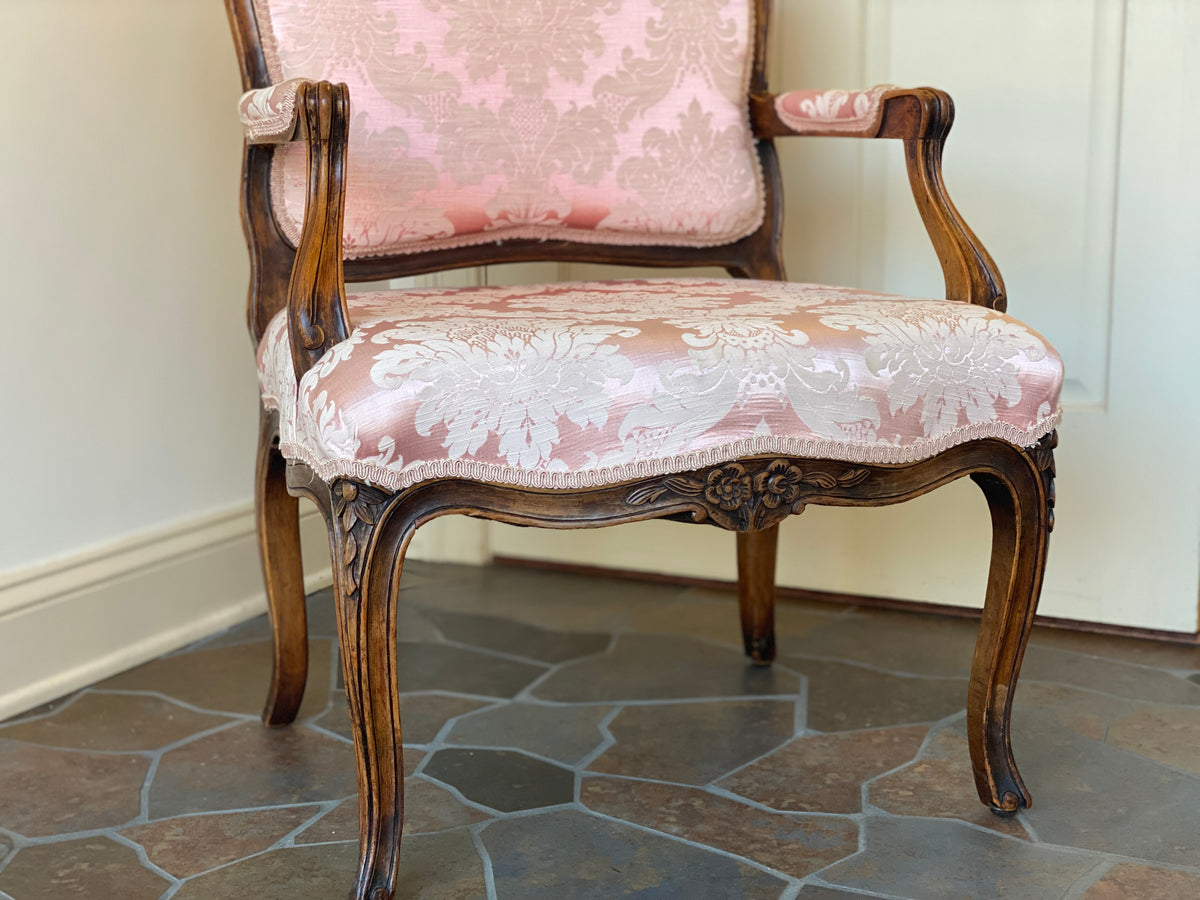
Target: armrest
(921, 118)
(318, 113)
(269, 114)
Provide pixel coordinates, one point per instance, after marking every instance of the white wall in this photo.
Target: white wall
(130, 399)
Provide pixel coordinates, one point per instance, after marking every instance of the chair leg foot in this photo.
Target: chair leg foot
(277, 523)
(1020, 529)
(756, 551)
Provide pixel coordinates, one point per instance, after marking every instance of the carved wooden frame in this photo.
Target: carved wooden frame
(370, 528)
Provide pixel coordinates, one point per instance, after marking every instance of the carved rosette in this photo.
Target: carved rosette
(1043, 456)
(356, 509)
(750, 495)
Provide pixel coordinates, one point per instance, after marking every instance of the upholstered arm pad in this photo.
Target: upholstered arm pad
(825, 111)
(884, 111)
(269, 114)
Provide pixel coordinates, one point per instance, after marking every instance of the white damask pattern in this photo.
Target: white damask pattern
(568, 385)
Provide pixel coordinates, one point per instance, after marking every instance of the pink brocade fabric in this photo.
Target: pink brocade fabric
(849, 111)
(581, 384)
(609, 121)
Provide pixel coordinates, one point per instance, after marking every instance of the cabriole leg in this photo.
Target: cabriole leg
(756, 592)
(368, 550)
(1021, 508)
(277, 522)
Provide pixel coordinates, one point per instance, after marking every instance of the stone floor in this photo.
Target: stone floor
(573, 737)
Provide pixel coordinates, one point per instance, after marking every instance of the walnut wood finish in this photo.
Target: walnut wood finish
(370, 529)
(756, 592)
(277, 524)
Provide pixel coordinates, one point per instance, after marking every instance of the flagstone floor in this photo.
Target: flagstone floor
(571, 737)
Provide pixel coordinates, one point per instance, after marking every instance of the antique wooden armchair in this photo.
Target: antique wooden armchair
(622, 131)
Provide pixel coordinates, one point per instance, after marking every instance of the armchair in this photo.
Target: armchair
(466, 133)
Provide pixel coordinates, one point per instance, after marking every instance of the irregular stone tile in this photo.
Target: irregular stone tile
(1108, 676)
(227, 679)
(545, 599)
(818, 892)
(646, 667)
(92, 867)
(191, 844)
(693, 743)
(421, 715)
(516, 638)
(44, 791)
(249, 765)
(1129, 881)
(114, 722)
(570, 854)
(565, 733)
(713, 615)
(5, 848)
(940, 784)
(845, 698)
(436, 667)
(435, 865)
(1194, 678)
(427, 808)
(502, 779)
(793, 845)
(1167, 734)
(940, 858)
(41, 709)
(1084, 712)
(1091, 795)
(824, 772)
(1160, 654)
(902, 642)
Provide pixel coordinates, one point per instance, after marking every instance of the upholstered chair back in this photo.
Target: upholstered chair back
(607, 121)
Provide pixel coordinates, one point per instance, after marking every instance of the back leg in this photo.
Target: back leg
(756, 592)
(277, 521)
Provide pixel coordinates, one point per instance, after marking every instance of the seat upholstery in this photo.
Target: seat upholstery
(604, 121)
(581, 384)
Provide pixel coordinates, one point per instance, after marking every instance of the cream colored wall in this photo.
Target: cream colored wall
(130, 401)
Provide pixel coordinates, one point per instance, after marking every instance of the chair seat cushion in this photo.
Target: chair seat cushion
(580, 384)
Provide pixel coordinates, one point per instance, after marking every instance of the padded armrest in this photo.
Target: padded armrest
(269, 114)
(806, 112)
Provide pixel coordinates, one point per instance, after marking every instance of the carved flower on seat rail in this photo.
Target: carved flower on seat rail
(728, 487)
(779, 483)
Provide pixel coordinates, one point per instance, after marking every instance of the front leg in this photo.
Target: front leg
(368, 550)
(756, 592)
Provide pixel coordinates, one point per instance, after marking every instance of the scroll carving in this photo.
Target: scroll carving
(750, 495)
(1043, 457)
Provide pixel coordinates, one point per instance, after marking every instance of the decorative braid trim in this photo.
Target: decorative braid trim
(811, 448)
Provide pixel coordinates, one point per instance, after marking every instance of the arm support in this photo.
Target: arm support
(921, 118)
(317, 113)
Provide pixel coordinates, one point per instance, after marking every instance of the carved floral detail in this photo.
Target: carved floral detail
(356, 509)
(751, 495)
(1043, 457)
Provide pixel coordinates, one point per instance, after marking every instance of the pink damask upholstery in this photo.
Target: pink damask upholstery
(614, 121)
(850, 111)
(579, 384)
(270, 113)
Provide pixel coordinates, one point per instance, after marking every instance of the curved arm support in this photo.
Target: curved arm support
(317, 314)
(921, 118)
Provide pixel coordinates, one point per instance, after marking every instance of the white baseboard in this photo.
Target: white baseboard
(71, 622)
